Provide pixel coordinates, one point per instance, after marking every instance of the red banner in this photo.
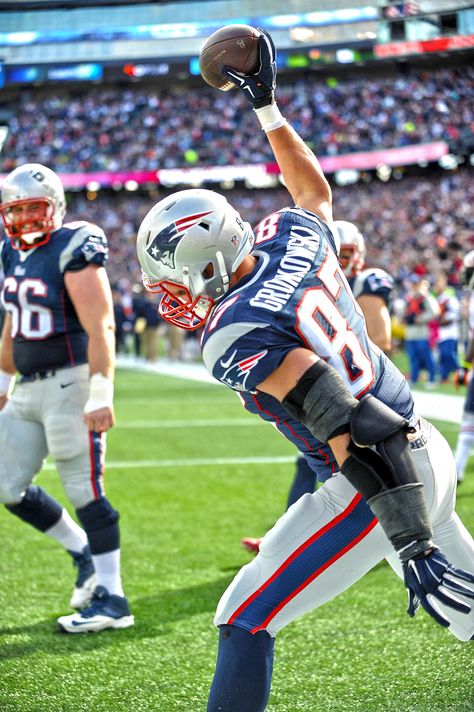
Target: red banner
(440, 44)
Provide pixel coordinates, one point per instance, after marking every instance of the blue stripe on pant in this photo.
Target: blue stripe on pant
(304, 565)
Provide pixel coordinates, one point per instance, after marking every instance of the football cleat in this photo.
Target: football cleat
(251, 544)
(85, 581)
(105, 611)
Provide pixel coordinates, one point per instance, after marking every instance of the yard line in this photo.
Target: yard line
(193, 462)
(195, 423)
(159, 401)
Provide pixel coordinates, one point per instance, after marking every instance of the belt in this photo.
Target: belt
(38, 375)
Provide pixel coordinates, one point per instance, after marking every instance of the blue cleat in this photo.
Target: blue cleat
(85, 581)
(105, 611)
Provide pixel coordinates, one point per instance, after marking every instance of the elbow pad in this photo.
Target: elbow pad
(322, 402)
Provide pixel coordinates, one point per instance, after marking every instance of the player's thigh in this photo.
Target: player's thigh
(77, 453)
(436, 468)
(22, 451)
(323, 544)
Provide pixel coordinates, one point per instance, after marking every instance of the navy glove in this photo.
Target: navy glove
(259, 87)
(431, 579)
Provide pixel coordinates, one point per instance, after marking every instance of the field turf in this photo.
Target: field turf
(191, 473)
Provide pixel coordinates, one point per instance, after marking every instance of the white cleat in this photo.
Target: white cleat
(105, 611)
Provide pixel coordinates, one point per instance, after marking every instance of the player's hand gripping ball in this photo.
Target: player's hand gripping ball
(235, 46)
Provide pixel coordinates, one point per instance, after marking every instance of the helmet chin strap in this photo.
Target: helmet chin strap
(223, 272)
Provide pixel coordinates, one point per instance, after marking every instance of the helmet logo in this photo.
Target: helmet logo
(163, 245)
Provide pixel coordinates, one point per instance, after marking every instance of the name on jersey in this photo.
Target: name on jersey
(303, 244)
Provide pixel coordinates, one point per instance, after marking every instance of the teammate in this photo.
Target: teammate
(372, 288)
(466, 432)
(59, 335)
(448, 320)
(283, 330)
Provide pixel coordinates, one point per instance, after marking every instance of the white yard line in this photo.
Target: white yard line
(195, 423)
(193, 462)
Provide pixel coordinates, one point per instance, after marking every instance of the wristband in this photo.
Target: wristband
(270, 117)
(7, 383)
(101, 393)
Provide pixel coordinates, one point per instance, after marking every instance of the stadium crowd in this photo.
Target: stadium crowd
(417, 224)
(154, 128)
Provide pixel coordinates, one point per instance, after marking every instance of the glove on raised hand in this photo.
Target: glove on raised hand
(259, 87)
(430, 579)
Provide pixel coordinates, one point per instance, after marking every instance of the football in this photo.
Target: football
(233, 45)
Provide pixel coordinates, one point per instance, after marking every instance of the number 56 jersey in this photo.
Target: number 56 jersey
(45, 329)
(297, 297)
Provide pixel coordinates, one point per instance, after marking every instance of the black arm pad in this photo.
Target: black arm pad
(321, 401)
(401, 510)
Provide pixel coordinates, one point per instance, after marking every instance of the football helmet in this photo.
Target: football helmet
(33, 205)
(353, 242)
(467, 270)
(188, 245)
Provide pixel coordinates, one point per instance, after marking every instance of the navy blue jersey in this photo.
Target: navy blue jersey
(373, 282)
(46, 331)
(296, 297)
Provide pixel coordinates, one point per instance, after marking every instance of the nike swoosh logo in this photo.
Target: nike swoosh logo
(226, 364)
(65, 385)
(79, 622)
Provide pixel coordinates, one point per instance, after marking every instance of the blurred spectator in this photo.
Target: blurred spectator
(448, 320)
(148, 324)
(420, 309)
(176, 338)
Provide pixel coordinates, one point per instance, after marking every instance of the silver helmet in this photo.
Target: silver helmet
(33, 205)
(351, 239)
(188, 245)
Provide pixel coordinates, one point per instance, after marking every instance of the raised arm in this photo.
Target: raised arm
(299, 166)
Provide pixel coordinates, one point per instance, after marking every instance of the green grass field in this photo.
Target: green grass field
(186, 497)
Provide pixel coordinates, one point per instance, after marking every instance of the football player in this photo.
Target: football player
(282, 329)
(372, 288)
(59, 335)
(466, 432)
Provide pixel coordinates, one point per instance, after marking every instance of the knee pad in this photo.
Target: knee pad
(66, 436)
(100, 522)
(37, 508)
(97, 515)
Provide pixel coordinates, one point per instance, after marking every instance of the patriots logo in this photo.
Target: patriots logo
(164, 244)
(236, 374)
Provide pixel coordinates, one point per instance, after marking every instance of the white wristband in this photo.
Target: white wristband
(7, 383)
(101, 394)
(270, 117)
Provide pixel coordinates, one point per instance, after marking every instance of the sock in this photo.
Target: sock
(107, 570)
(463, 447)
(68, 533)
(305, 481)
(243, 671)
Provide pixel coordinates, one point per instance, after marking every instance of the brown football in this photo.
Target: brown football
(233, 45)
